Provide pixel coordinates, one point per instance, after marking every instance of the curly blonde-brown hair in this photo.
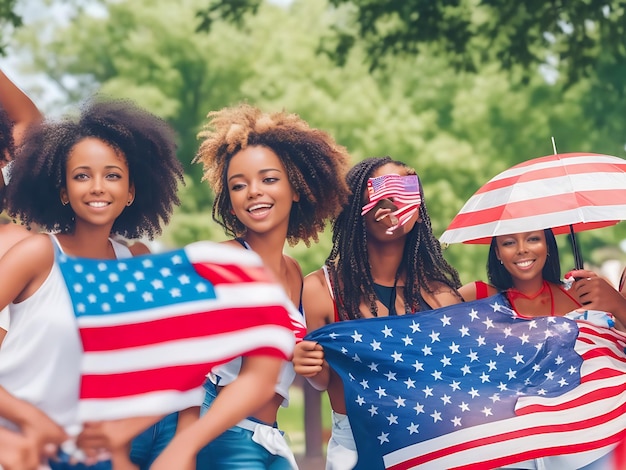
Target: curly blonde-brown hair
(316, 165)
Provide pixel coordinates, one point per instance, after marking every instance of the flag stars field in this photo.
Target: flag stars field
(391, 376)
(98, 278)
(469, 364)
(400, 402)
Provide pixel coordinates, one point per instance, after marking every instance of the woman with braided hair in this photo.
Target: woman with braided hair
(384, 261)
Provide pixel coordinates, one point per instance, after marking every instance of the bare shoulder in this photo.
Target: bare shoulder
(317, 301)
(468, 291)
(316, 282)
(25, 266)
(10, 234)
(33, 246)
(442, 296)
(139, 248)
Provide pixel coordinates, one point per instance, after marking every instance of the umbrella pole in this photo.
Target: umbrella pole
(578, 257)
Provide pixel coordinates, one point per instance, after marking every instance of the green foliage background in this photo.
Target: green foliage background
(457, 128)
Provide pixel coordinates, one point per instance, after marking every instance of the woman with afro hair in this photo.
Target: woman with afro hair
(384, 261)
(275, 179)
(113, 171)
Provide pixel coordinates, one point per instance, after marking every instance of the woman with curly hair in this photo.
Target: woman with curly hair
(385, 260)
(275, 178)
(113, 171)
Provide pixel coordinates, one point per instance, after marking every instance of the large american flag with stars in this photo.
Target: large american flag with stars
(153, 326)
(475, 386)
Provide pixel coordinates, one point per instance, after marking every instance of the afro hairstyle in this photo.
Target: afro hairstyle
(316, 165)
(144, 140)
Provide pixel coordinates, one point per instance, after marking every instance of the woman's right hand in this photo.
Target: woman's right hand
(308, 358)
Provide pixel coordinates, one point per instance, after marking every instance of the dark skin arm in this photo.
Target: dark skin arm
(18, 106)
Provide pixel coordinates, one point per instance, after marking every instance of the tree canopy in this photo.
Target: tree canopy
(571, 37)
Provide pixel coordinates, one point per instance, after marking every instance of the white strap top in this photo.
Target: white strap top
(4, 318)
(40, 356)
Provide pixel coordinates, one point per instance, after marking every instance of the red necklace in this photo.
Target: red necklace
(514, 294)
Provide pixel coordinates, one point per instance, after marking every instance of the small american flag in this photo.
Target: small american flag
(153, 326)
(404, 191)
(473, 386)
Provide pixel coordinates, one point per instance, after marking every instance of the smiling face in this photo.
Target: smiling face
(98, 184)
(523, 255)
(260, 193)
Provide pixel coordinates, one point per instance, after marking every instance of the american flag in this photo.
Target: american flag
(404, 191)
(474, 386)
(153, 326)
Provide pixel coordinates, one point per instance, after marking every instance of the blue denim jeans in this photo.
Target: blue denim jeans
(63, 464)
(148, 445)
(235, 449)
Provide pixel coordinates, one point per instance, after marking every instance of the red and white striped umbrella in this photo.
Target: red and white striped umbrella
(565, 192)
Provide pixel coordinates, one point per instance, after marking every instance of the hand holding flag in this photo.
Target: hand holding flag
(475, 386)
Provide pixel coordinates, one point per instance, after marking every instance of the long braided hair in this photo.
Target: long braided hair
(348, 263)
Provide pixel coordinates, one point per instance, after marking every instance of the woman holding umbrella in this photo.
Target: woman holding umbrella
(519, 211)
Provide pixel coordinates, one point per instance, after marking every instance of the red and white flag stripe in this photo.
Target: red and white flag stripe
(151, 361)
(575, 428)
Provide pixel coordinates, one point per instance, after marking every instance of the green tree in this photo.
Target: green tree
(470, 33)
(458, 129)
